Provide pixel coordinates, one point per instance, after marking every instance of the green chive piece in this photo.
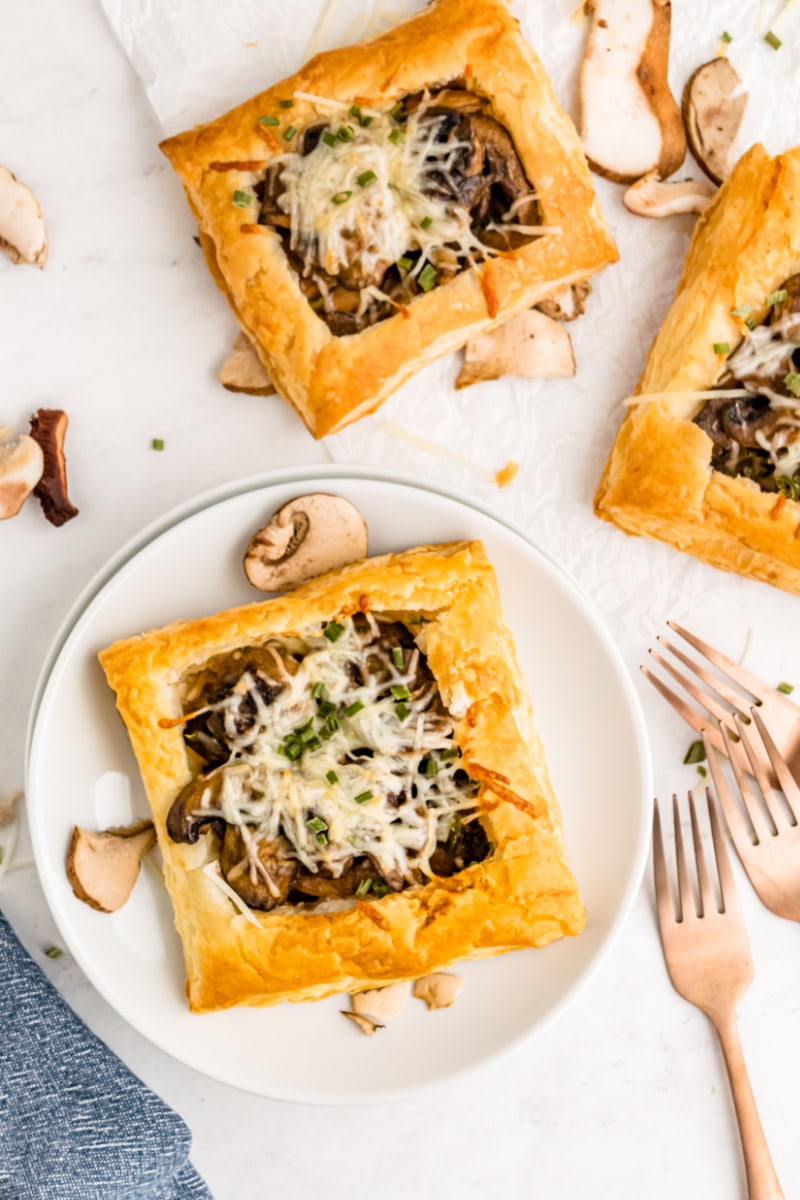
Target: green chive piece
(402, 711)
(316, 824)
(332, 726)
(398, 657)
(325, 708)
(701, 771)
(426, 222)
(357, 115)
(722, 347)
(242, 199)
(786, 688)
(354, 708)
(451, 752)
(400, 691)
(307, 736)
(318, 689)
(696, 753)
(363, 797)
(363, 887)
(286, 104)
(366, 178)
(751, 323)
(788, 486)
(792, 381)
(414, 619)
(54, 952)
(300, 729)
(773, 40)
(321, 838)
(431, 767)
(777, 297)
(268, 120)
(331, 777)
(379, 888)
(294, 751)
(333, 631)
(741, 310)
(398, 110)
(317, 303)
(726, 37)
(289, 132)
(396, 136)
(330, 139)
(427, 277)
(405, 263)
(365, 121)
(341, 197)
(157, 443)
(345, 134)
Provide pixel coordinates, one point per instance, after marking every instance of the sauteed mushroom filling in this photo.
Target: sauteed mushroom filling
(329, 767)
(755, 422)
(376, 207)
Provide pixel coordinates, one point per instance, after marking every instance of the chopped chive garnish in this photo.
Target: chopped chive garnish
(379, 888)
(157, 443)
(400, 691)
(726, 37)
(741, 310)
(786, 688)
(777, 297)
(286, 104)
(330, 139)
(453, 830)
(242, 199)
(317, 303)
(365, 121)
(333, 631)
(722, 347)
(792, 381)
(341, 197)
(318, 689)
(321, 838)
(398, 110)
(268, 120)
(405, 263)
(451, 752)
(354, 708)
(313, 743)
(402, 711)
(414, 619)
(289, 132)
(366, 178)
(702, 772)
(303, 728)
(325, 708)
(427, 277)
(307, 736)
(773, 40)
(396, 136)
(332, 725)
(293, 751)
(332, 777)
(363, 887)
(345, 134)
(788, 486)
(426, 222)
(316, 824)
(696, 753)
(363, 797)
(431, 767)
(54, 952)
(751, 323)
(397, 657)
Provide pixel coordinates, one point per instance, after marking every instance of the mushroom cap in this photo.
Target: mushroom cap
(103, 867)
(23, 235)
(21, 468)
(713, 115)
(306, 537)
(651, 197)
(531, 345)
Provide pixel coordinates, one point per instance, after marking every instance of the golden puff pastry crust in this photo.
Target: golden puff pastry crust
(658, 480)
(522, 895)
(332, 381)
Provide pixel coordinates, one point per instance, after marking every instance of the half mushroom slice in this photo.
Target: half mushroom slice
(21, 468)
(713, 110)
(653, 197)
(23, 235)
(103, 867)
(243, 370)
(306, 537)
(531, 345)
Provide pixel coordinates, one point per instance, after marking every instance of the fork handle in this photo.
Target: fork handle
(762, 1182)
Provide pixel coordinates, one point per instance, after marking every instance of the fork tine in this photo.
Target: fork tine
(783, 775)
(727, 887)
(685, 899)
(751, 807)
(736, 671)
(772, 804)
(708, 902)
(741, 833)
(697, 720)
(730, 695)
(713, 706)
(666, 912)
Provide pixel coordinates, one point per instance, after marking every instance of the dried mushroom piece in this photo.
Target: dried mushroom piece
(103, 867)
(49, 428)
(382, 1004)
(653, 197)
(439, 990)
(306, 537)
(243, 370)
(567, 304)
(23, 235)
(21, 468)
(630, 122)
(531, 345)
(365, 1024)
(713, 109)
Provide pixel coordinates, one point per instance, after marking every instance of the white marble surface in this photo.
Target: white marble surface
(625, 1096)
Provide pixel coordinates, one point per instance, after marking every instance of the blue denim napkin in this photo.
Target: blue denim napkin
(75, 1123)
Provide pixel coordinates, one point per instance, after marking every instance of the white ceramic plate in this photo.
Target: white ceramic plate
(82, 771)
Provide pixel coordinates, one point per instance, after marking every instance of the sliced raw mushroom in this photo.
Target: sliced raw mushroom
(103, 867)
(439, 990)
(630, 122)
(48, 428)
(306, 537)
(713, 113)
(531, 345)
(23, 235)
(568, 303)
(653, 197)
(21, 468)
(243, 370)
(365, 1024)
(382, 1004)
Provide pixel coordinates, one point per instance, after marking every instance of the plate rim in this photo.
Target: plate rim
(312, 475)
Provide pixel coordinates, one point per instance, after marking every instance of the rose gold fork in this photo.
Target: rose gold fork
(708, 959)
(764, 828)
(722, 700)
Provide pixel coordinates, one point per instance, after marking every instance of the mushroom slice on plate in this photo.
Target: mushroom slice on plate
(243, 370)
(49, 428)
(23, 235)
(630, 122)
(531, 345)
(21, 468)
(713, 113)
(439, 990)
(382, 1004)
(306, 537)
(103, 867)
(365, 1024)
(652, 197)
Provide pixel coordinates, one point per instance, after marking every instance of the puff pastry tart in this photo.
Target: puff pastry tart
(708, 455)
(389, 202)
(346, 783)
